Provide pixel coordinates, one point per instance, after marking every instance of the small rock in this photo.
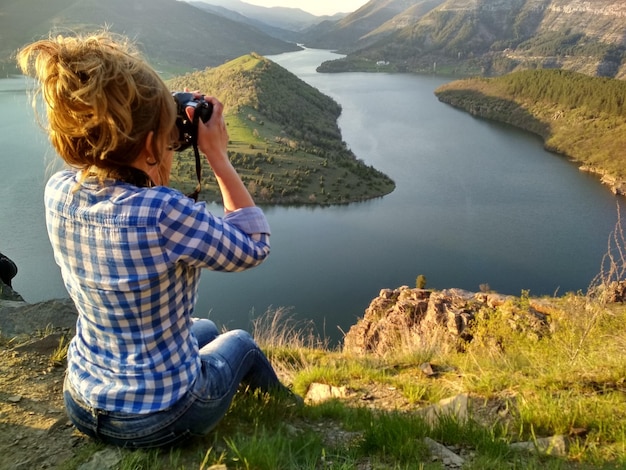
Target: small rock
(427, 369)
(321, 392)
(448, 457)
(454, 406)
(15, 398)
(106, 459)
(555, 445)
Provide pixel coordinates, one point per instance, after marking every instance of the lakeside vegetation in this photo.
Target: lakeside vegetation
(436, 66)
(284, 138)
(578, 116)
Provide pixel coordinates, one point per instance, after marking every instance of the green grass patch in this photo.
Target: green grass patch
(570, 383)
(563, 383)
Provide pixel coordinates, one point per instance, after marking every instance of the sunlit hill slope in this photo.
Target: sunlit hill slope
(285, 140)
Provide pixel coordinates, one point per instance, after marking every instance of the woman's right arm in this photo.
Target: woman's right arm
(213, 142)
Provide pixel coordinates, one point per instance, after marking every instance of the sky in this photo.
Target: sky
(317, 7)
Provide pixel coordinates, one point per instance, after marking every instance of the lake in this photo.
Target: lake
(476, 203)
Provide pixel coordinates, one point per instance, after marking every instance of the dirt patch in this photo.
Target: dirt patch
(34, 430)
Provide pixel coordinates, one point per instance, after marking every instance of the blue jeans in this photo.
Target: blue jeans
(228, 359)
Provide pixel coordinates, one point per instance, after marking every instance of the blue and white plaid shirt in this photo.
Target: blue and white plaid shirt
(131, 258)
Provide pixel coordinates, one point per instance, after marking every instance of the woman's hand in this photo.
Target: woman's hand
(212, 135)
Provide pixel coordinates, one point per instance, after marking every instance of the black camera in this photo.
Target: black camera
(188, 129)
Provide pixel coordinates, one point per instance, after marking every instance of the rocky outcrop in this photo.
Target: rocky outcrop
(7, 293)
(425, 317)
(595, 8)
(18, 317)
(615, 184)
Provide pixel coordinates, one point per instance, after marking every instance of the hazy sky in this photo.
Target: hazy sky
(317, 7)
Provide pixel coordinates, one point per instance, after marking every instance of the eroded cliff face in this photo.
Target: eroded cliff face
(494, 37)
(604, 20)
(596, 7)
(481, 5)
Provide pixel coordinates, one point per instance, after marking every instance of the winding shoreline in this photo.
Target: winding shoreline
(594, 141)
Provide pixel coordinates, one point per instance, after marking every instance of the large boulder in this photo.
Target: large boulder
(421, 317)
(22, 318)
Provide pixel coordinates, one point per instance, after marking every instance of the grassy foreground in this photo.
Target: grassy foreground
(570, 383)
(565, 383)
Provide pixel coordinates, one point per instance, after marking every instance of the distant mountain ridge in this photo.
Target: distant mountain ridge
(174, 35)
(274, 31)
(284, 18)
(487, 37)
(457, 37)
(362, 26)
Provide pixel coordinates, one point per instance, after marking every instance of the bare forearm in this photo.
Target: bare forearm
(234, 192)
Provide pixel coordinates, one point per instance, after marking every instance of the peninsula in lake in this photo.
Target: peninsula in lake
(284, 138)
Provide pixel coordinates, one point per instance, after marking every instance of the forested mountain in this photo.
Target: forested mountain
(279, 96)
(174, 35)
(284, 137)
(581, 117)
(488, 37)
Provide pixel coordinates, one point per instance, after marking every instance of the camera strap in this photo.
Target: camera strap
(194, 142)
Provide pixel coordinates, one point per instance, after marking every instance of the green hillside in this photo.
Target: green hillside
(581, 117)
(285, 140)
(174, 35)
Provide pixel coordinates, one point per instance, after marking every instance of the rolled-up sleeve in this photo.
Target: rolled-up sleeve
(250, 220)
(238, 241)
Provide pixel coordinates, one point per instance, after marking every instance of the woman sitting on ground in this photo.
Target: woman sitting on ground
(142, 372)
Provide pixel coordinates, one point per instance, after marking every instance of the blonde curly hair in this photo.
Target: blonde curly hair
(102, 100)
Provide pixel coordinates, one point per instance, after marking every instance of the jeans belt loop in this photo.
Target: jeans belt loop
(97, 413)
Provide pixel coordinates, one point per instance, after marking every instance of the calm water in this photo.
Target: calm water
(476, 202)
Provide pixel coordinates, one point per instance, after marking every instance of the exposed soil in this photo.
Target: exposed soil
(34, 430)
